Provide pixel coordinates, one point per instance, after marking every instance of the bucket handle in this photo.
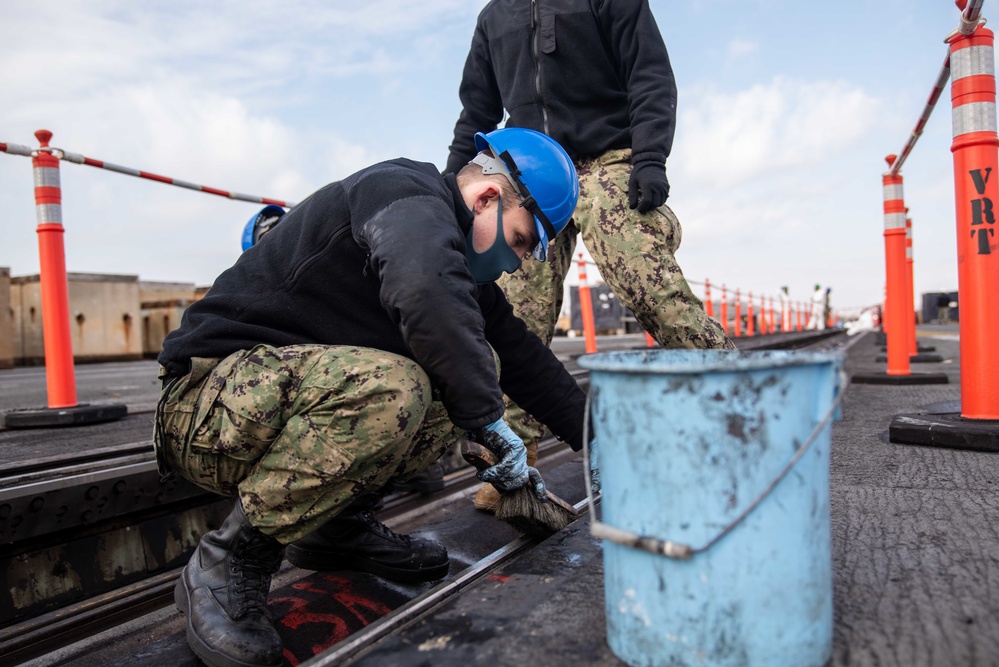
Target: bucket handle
(677, 550)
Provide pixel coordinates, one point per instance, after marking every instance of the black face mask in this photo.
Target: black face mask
(490, 264)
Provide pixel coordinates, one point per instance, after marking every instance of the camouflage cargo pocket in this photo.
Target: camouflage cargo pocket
(224, 449)
(176, 413)
(228, 433)
(246, 414)
(215, 454)
(228, 444)
(300, 482)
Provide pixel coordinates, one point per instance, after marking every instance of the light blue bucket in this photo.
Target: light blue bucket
(714, 469)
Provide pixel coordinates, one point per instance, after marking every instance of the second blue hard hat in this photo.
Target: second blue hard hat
(260, 224)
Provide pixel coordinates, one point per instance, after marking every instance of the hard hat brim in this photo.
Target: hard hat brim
(540, 251)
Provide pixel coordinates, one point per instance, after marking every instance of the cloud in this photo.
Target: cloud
(167, 125)
(747, 134)
(194, 92)
(738, 48)
(760, 181)
(246, 43)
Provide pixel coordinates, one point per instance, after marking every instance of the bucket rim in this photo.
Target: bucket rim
(703, 361)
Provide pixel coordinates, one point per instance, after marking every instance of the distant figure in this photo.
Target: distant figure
(785, 310)
(815, 322)
(827, 309)
(866, 321)
(943, 309)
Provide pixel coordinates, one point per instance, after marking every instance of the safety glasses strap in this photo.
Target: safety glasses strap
(528, 202)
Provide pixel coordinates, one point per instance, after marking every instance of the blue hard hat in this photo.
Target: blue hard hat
(260, 223)
(541, 172)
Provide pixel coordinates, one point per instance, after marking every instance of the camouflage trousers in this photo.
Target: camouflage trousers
(298, 432)
(635, 254)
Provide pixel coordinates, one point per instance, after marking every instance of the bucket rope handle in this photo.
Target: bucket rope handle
(677, 550)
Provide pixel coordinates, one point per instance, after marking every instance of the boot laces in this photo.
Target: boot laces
(254, 563)
(378, 528)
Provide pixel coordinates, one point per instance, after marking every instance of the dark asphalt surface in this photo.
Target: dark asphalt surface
(915, 548)
(915, 556)
(133, 383)
(915, 529)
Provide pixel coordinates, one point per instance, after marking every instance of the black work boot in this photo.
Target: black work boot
(223, 593)
(429, 481)
(356, 540)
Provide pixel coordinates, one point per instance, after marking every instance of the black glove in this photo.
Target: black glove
(647, 187)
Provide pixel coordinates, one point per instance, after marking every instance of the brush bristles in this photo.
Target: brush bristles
(522, 510)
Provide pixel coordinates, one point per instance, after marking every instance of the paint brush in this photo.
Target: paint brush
(521, 508)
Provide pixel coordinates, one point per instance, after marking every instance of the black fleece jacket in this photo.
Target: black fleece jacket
(592, 74)
(378, 260)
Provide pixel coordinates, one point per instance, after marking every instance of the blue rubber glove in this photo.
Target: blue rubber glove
(594, 467)
(512, 471)
(647, 186)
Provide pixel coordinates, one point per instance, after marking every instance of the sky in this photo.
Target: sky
(786, 111)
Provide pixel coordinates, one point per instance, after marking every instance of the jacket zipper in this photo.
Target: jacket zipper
(308, 261)
(537, 64)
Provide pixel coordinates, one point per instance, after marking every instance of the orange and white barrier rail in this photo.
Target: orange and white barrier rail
(76, 158)
(60, 376)
(970, 21)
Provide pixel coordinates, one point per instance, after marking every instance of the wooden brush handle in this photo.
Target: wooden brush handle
(478, 455)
